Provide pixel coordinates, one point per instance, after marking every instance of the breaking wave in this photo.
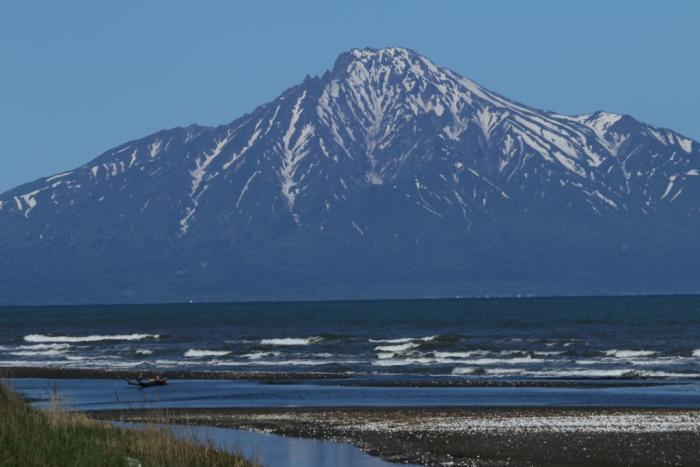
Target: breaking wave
(403, 340)
(195, 353)
(45, 347)
(629, 353)
(259, 355)
(572, 373)
(37, 353)
(292, 341)
(114, 337)
(397, 347)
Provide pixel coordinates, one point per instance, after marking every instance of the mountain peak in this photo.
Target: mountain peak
(387, 158)
(394, 57)
(365, 53)
(394, 52)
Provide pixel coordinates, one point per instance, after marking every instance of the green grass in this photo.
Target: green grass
(32, 437)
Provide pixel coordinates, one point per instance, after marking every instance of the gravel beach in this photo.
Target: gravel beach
(474, 436)
(343, 379)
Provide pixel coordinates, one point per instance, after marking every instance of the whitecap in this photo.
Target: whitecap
(176, 362)
(45, 347)
(37, 353)
(282, 363)
(396, 348)
(505, 371)
(292, 341)
(497, 361)
(144, 352)
(541, 353)
(95, 338)
(583, 373)
(27, 363)
(306, 362)
(434, 360)
(196, 353)
(259, 355)
(385, 355)
(629, 353)
(469, 354)
(662, 361)
(403, 340)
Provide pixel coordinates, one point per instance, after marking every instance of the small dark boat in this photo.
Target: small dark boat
(147, 383)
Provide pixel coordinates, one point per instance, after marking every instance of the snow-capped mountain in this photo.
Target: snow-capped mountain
(387, 176)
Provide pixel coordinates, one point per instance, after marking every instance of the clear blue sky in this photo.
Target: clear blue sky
(78, 77)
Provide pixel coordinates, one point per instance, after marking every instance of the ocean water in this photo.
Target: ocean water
(626, 338)
(114, 394)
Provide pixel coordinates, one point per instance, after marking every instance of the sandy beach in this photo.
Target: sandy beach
(473, 436)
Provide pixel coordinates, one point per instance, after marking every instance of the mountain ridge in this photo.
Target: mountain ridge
(402, 170)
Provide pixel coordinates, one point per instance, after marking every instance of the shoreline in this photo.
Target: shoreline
(483, 436)
(341, 379)
(479, 435)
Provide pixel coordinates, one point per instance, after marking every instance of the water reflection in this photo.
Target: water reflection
(275, 450)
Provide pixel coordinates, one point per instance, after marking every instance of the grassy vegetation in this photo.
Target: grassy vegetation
(32, 437)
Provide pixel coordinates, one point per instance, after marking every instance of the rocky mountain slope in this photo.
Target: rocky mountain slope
(388, 176)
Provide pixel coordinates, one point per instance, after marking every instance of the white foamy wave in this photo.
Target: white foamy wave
(106, 363)
(503, 371)
(259, 355)
(45, 347)
(144, 352)
(501, 361)
(592, 362)
(403, 340)
(116, 337)
(662, 361)
(301, 362)
(696, 353)
(397, 347)
(448, 355)
(292, 341)
(629, 353)
(540, 353)
(28, 363)
(385, 355)
(433, 360)
(118, 364)
(404, 361)
(173, 363)
(195, 353)
(281, 363)
(577, 373)
(37, 353)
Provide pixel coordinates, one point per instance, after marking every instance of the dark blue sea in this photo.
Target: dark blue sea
(638, 338)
